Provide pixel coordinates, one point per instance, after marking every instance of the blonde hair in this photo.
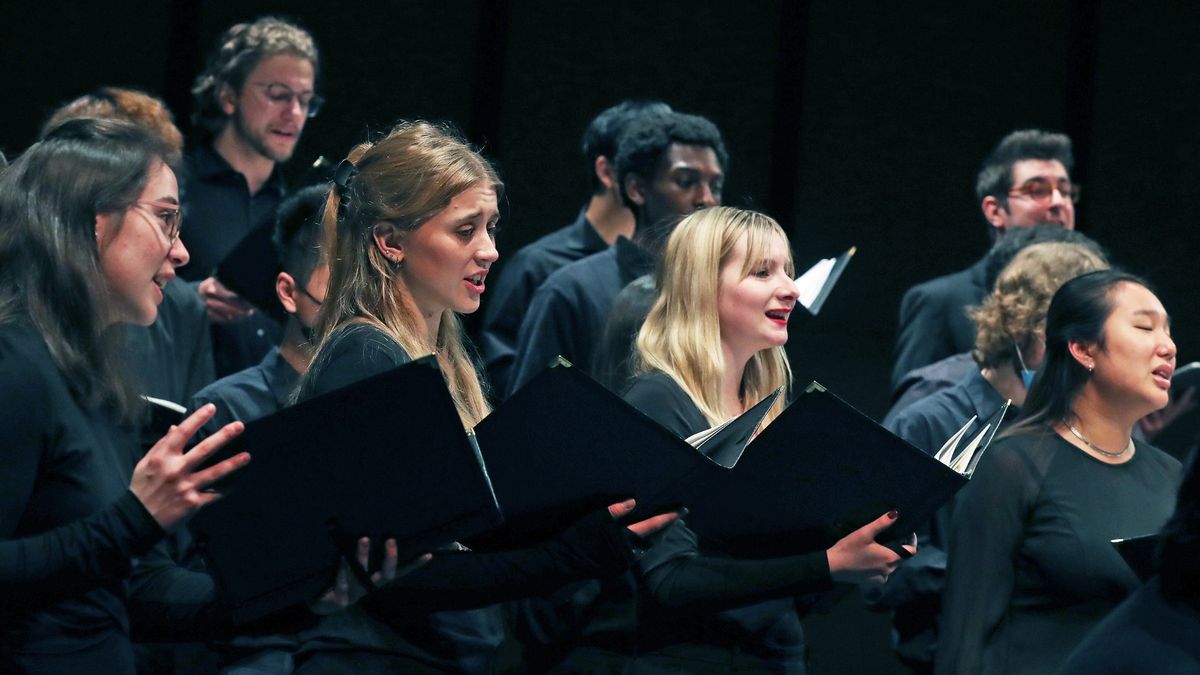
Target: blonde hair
(405, 178)
(682, 334)
(1016, 307)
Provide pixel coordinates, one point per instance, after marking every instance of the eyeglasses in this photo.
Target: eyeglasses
(281, 94)
(170, 217)
(1042, 190)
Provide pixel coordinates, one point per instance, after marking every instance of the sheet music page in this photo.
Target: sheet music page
(811, 282)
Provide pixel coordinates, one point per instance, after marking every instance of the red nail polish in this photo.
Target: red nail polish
(893, 514)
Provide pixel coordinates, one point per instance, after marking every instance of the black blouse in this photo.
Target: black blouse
(69, 526)
(1030, 568)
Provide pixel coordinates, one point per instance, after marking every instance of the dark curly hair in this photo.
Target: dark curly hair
(237, 52)
(645, 141)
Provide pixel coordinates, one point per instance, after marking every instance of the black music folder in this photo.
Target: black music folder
(823, 469)
(817, 282)
(1140, 554)
(564, 444)
(250, 270)
(384, 457)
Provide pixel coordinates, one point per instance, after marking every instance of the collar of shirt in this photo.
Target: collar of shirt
(208, 165)
(586, 236)
(633, 261)
(281, 377)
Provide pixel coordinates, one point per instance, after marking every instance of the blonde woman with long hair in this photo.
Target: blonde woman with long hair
(711, 346)
(410, 227)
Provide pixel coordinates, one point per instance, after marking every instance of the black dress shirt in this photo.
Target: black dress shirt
(568, 311)
(220, 212)
(519, 278)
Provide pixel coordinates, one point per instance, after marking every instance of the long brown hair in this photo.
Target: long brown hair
(49, 260)
(405, 178)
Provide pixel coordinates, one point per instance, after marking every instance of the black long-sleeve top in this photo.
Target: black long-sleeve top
(696, 610)
(439, 613)
(1030, 568)
(69, 526)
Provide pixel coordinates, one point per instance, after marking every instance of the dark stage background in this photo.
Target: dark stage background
(851, 122)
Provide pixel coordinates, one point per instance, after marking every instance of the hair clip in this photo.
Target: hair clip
(341, 178)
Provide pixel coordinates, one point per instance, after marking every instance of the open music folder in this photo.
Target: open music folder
(385, 457)
(817, 282)
(823, 469)
(564, 444)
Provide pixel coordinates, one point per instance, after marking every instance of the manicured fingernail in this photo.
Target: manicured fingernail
(893, 514)
(683, 512)
(629, 503)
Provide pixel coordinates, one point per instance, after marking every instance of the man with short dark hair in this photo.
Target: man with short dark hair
(668, 165)
(1024, 181)
(599, 223)
(252, 102)
(267, 387)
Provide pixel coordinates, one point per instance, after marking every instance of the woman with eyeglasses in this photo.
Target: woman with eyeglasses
(410, 230)
(1030, 565)
(88, 236)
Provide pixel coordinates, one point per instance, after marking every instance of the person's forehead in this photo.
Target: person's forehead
(285, 67)
(1027, 169)
(686, 155)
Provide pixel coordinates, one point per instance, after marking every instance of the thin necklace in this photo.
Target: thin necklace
(1093, 446)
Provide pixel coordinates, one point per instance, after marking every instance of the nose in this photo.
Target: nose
(487, 252)
(1167, 348)
(1056, 198)
(788, 290)
(706, 197)
(178, 254)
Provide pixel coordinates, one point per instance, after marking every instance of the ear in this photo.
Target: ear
(285, 289)
(635, 187)
(227, 99)
(388, 238)
(1084, 353)
(606, 173)
(994, 212)
(107, 225)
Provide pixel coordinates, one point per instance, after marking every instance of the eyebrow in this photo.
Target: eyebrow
(1153, 313)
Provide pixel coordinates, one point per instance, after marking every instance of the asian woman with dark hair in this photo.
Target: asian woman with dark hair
(1030, 566)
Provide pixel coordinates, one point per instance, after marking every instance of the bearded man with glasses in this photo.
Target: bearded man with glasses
(253, 100)
(1025, 181)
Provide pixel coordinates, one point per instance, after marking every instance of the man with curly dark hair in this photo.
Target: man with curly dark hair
(253, 99)
(668, 166)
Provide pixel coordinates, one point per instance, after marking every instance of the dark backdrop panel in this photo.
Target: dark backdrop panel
(899, 109)
(566, 62)
(52, 52)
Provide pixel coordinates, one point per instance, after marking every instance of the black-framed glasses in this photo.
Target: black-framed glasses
(169, 215)
(1042, 190)
(281, 94)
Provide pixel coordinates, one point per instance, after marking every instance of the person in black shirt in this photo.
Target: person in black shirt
(410, 230)
(600, 222)
(1025, 181)
(252, 102)
(1157, 629)
(668, 166)
(171, 358)
(1009, 346)
(267, 387)
(711, 346)
(88, 236)
(1030, 566)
